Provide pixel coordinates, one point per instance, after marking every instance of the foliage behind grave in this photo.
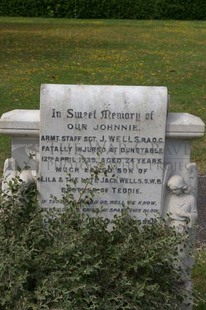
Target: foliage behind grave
(71, 261)
(129, 9)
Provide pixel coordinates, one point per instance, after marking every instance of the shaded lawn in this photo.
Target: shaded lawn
(116, 52)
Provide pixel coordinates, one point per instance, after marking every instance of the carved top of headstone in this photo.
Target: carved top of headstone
(184, 125)
(20, 122)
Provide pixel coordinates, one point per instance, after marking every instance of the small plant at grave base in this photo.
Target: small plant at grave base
(69, 260)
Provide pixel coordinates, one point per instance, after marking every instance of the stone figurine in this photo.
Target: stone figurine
(26, 175)
(181, 205)
(10, 172)
(182, 214)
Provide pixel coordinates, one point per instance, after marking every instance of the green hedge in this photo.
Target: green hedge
(127, 9)
(71, 261)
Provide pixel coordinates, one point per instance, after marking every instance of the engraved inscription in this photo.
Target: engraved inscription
(89, 127)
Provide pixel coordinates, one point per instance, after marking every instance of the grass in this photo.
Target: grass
(116, 52)
(199, 276)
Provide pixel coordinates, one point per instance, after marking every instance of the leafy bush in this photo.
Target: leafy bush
(68, 260)
(130, 9)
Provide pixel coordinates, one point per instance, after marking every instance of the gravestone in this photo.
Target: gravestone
(127, 130)
(122, 127)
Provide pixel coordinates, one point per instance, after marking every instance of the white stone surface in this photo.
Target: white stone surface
(20, 123)
(27, 122)
(124, 125)
(23, 127)
(184, 125)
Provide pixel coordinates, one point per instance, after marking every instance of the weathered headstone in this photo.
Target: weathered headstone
(120, 126)
(23, 126)
(123, 128)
